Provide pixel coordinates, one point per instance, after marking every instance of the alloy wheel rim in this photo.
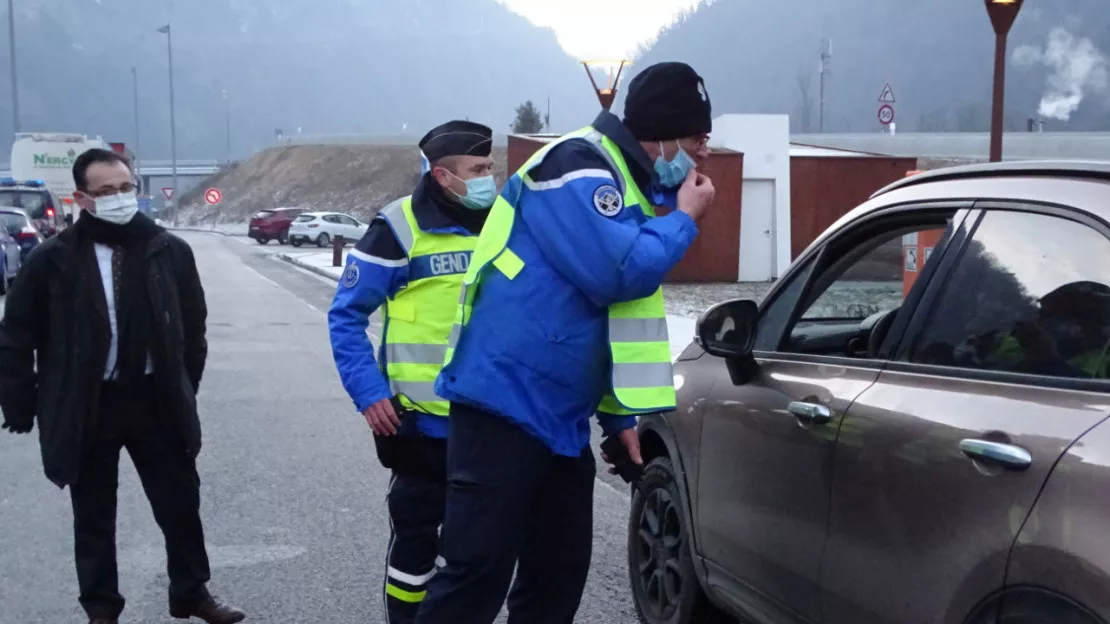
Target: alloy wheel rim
(659, 535)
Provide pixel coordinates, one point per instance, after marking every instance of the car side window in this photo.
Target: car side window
(1028, 295)
(858, 287)
(349, 221)
(332, 218)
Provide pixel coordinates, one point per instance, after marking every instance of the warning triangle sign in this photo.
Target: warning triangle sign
(887, 95)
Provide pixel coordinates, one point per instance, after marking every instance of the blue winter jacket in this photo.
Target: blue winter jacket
(535, 349)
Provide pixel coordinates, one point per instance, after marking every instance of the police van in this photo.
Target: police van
(42, 174)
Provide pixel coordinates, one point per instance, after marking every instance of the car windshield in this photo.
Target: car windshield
(305, 218)
(34, 202)
(10, 220)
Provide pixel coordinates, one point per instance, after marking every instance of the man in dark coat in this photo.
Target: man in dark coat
(113, 312)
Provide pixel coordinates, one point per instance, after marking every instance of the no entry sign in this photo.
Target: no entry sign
(213, 196)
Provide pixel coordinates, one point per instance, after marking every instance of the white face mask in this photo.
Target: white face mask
(118, 209)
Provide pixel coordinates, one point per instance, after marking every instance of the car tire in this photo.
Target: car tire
(262, 241)
(283, 238)
(665, 587)
(324, 240)
(296, 242)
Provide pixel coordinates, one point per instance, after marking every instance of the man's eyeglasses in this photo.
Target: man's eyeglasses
(105, 191)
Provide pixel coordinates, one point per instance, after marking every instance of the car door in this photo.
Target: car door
(769, 434)
(959, 433)
(352, 228)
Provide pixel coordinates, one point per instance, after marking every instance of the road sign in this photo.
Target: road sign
(144, 204)
(886, 114)
(887, 96)
(911, 259)
(168, 192)
(213, 196)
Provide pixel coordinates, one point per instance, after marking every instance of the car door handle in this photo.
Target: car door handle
(1006, 454)
(810, 412)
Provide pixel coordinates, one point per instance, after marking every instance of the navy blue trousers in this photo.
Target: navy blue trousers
(416, 501)
(511, 502)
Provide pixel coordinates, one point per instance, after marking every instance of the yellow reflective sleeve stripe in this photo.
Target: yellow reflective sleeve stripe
(641, 352)
(404, 595)
(508, 263)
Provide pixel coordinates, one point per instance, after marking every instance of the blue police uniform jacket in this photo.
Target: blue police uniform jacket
(383, 270)
(535, 349)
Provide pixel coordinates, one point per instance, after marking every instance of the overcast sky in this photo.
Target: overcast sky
(601, 29)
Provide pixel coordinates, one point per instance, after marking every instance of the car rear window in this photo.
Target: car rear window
(11, 220)
(34, 202)
(263, 214)
(305, 218)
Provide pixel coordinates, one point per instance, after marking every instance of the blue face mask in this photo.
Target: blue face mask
(480, 193)
(671, 174)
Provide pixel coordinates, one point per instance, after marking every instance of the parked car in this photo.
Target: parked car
(20, 227)
(916, 438)
(322, 228)
(273, 224)
(11, 260)
(47, 211)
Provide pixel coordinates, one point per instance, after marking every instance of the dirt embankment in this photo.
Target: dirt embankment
(354, 179)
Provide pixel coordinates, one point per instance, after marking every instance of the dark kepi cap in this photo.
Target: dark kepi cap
(457, 138)
(667, 101)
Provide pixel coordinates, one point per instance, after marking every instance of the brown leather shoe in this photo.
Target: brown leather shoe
(210, 610)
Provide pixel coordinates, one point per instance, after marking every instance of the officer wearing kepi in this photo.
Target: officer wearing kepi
(411, 264)
(561, 318)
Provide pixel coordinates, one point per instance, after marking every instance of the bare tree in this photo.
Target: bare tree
(805, 101)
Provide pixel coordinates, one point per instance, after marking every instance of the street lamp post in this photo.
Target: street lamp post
(138, 147)
(15, 78)
(165, 30)
(606, 95)
(1002, 14)
(227, 119)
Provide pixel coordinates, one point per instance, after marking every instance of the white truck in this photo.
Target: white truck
(49, 157)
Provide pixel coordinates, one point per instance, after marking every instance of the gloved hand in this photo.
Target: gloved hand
(19, 428)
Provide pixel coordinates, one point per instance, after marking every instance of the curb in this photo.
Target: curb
(201, 230)
(308, 267)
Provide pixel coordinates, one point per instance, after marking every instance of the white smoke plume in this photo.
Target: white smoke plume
(1078, 69)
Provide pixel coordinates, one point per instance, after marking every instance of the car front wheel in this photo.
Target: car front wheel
(283, 238)
(660, 567)
(296, 242)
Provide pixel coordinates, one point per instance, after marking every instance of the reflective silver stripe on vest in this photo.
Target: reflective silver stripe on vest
(410, 353)
(638, 330)
(643, 375)
(453, 337)
(394, 214)
(416, 391)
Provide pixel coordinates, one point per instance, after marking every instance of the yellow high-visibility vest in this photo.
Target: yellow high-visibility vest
(641, 379)
(419, 318)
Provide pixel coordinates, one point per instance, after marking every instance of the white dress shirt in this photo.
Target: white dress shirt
(104, 261)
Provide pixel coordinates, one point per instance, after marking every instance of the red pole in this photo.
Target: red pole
(997, 109)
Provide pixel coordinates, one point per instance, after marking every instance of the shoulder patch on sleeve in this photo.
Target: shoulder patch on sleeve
(608, 200)
(350, 276)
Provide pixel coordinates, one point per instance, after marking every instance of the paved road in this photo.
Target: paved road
(292, 495)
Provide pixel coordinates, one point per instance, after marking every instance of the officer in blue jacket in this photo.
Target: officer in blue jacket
(569, 263)
(410, 264)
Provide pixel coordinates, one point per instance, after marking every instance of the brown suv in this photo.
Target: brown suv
(910, 428)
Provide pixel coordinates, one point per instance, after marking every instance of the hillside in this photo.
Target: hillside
(320, 66)
(938, 55)
(355, 179)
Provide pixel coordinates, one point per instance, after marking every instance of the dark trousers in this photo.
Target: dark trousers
(511, 502)
(169, 476)
(417, 497)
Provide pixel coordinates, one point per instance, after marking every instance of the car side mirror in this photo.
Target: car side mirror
(727, 330)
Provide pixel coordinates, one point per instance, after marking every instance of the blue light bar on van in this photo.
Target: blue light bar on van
(7, 182)
(34, 183)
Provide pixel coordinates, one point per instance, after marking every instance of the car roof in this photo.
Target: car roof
(1094, 169)
(1082, 185)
